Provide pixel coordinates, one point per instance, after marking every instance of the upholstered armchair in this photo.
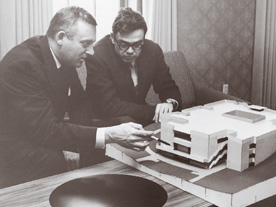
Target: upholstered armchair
(192, 91)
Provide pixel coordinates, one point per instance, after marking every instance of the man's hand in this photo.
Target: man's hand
(160, 109)
(129, 135)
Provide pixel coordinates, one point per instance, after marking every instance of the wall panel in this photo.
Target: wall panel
(217, 37)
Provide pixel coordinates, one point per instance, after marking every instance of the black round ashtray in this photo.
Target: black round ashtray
(109, 190)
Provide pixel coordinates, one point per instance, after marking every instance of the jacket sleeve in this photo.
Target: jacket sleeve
(163, 84)
(28, 94)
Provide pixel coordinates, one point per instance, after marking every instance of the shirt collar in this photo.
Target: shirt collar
(55, 59)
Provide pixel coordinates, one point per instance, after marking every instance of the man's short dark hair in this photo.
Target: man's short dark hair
(128, 21)
(66, 18)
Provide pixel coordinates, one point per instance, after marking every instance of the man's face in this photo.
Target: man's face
(129, 46)
(77, 45)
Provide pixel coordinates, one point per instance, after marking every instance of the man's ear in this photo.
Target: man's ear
(59, 37)
(112, 38)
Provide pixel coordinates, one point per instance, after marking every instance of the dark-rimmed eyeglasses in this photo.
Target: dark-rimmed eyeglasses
(125, 45)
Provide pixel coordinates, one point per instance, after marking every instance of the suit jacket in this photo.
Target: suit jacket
(110, 85)
(34, 99)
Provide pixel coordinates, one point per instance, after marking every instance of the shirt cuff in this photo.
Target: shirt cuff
(100, 138)
(173, 102)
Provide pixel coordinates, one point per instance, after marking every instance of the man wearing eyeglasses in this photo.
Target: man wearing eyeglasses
(122, 70)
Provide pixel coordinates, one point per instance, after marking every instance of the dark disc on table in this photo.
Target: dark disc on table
(109, 190)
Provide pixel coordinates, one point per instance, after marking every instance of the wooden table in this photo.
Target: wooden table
(36, 193)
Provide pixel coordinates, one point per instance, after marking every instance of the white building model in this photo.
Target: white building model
(241, 134)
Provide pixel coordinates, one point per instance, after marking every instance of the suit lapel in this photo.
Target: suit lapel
(124, 71)
(57, 78)
(142, 71)
(51, 71)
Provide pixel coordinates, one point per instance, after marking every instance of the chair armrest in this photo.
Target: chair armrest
(206, 95)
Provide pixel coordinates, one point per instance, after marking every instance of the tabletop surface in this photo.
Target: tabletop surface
(36, 193)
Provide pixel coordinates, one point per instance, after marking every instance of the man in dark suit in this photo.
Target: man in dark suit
(124, 67)
(38, 85)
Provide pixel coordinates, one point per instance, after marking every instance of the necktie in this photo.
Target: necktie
(133, 73)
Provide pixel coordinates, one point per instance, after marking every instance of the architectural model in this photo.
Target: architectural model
(227, 147)
(240, 134)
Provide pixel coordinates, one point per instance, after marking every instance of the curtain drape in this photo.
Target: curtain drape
(21, 19)
(264, 64)
(161, 18)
